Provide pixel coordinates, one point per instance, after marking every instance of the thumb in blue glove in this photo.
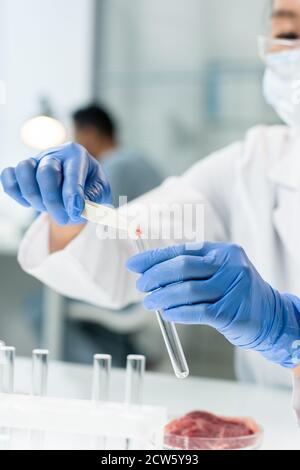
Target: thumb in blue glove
(218, 286)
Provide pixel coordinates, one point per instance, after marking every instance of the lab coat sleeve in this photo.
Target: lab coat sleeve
(88, 269)
(92, 269)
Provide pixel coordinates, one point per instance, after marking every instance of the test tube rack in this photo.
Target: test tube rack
(77, 424)
(38, 422)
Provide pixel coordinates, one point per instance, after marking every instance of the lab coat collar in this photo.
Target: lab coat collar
(286, 171)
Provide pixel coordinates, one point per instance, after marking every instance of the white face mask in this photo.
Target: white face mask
(281, 85)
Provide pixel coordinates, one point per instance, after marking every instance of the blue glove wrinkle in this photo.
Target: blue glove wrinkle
(144, 261)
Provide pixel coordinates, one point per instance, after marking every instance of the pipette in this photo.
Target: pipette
(106, 216)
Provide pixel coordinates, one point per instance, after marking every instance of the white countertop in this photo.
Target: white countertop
(270, 407)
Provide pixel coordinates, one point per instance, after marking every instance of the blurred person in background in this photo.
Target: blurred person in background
(130, 174)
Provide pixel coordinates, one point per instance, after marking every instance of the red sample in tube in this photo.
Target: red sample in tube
(139, 232)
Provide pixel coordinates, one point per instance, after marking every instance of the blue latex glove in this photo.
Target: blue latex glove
(57, 182)
(218, 286)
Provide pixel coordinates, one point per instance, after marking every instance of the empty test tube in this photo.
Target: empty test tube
(170, 336)
(2, 344)
(7, 361)
(101, 377)
(135, 372)
(40, 359)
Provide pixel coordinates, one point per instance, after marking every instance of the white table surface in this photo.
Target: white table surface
(270, 407)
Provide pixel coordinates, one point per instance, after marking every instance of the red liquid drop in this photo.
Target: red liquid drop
(138, 232)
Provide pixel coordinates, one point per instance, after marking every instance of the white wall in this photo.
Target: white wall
(232, 26)
(45, 49)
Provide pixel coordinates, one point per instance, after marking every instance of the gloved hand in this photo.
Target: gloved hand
(58, 181)
(218, 286)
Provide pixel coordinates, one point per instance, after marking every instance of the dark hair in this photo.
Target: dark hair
(96, 116)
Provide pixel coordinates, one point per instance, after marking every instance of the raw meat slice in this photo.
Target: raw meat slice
(203, 430)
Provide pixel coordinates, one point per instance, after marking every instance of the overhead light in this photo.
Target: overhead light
(43, 131)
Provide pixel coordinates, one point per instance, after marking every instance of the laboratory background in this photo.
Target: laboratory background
(180, 79)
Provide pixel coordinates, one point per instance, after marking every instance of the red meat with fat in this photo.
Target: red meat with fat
(204, 430)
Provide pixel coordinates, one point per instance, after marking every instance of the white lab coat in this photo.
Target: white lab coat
(251, 192)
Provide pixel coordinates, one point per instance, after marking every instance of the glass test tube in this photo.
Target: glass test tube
(135, 372)
(7, 361)
(170, 335)
(40, 359)
(101, 377)
(2, 344)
